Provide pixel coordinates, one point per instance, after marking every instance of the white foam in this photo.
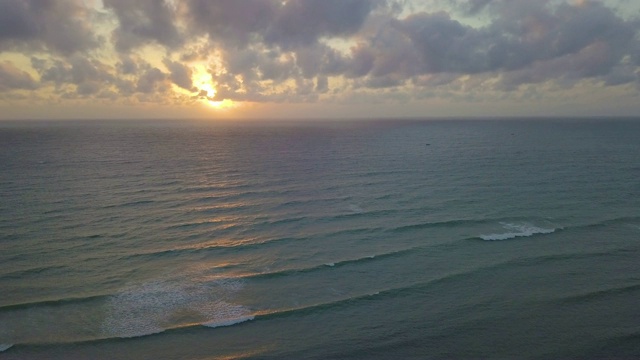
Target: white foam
(228, 322)
(142, 310)
(355, 208)
(5, 347)
(516, 230)
(222, 313)
(330, 264)
(153, 307)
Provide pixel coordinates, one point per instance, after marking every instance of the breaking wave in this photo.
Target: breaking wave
(517, 230)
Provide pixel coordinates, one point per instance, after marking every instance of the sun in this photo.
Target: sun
(205, 85)
(224, 104)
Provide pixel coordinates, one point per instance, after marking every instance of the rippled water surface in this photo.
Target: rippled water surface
(320, 240)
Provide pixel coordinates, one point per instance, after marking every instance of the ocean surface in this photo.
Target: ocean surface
(320, 240)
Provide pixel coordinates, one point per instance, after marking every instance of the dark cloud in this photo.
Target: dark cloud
(232, 22)
(59, 26)
(526, 42)
(130, 76)
(303, 22)
(76, 70)
(15, 21)
(180, 74)
(151, 81)
(144, 21)
(322, 84)
(127, 65)
(285, 24)
(472, 7)
(277, 50)
(12, 78)
(319, 59)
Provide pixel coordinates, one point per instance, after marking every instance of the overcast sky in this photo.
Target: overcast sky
(318, 58)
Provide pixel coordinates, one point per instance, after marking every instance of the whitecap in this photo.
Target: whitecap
(229, 322)
(517, 230)
(142, 310)
(156, 306)
(222, 313)
(5, 347)
(355, 209)
(330, 264)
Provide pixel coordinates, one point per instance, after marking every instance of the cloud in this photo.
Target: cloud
(151, 81)
(303, 22)
(86, 74)
(180, 74)
(12, 78)
(144, 21)
(285, 24)
(526, 42)
(231, 22)
(314, 50)
(58, 26)
(472, 7)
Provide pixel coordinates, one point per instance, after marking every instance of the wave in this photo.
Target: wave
(348, 301)
(628, 220)
(598, 294)
(53, 302)
(19, 274)
(249, 243)
(148, 308)
(5, 347)
(447, 223)
(516, 227)
(194, 224)
(517, 230)
(127, 322)
(336, 264)
(228, 322)
(355, 211)
(130, 204)
(315, 200)
(229, 195)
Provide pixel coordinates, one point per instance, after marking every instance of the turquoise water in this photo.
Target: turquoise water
(320, 240)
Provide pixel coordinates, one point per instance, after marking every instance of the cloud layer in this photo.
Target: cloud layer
(178, 51)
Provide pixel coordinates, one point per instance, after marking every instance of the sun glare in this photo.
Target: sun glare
(224, 104)
(206, 85)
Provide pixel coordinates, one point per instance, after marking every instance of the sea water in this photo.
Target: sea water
(320, 239)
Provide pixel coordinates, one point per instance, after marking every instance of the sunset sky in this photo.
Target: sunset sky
(98, 59)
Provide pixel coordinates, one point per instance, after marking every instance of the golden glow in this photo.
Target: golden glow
(204, 84)
(224, 104)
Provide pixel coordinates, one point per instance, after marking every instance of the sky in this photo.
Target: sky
(237, 59)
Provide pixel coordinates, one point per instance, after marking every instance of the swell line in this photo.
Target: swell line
(327, 266)
(447, 223)
(54, 302)
(599, 294)
(246, 244)
(17, 274)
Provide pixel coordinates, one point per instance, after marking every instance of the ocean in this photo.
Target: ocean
(381, 239)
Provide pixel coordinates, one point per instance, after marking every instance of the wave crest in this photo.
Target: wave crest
(156, 306)
(517, 230)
